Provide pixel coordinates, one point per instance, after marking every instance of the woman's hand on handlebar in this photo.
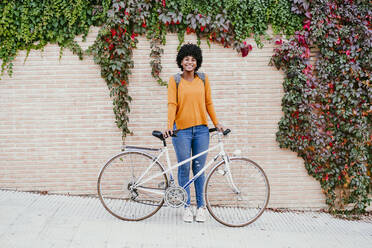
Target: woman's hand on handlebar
(220, 127)
(167, 133)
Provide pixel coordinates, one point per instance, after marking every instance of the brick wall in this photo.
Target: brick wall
(57, 125)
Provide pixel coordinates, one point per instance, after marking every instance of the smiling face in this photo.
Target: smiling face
(188, 63)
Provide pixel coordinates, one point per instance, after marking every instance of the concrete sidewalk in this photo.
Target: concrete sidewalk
(32, 220)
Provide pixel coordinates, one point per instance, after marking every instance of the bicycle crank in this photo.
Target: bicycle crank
(175, 196)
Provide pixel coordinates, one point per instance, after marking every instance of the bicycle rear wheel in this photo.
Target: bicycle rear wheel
(115, 181)
(238, 200)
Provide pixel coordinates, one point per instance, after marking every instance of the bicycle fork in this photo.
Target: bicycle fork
(226, 171)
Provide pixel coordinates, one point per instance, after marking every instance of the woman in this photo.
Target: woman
(189, 101)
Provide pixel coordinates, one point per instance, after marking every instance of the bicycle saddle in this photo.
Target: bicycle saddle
(158, 134)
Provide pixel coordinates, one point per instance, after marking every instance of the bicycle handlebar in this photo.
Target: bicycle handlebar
(162, 136)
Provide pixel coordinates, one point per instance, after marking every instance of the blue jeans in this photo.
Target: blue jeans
(194, 139)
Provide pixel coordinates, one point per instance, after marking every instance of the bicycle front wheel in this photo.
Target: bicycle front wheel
(237, 194)
(116, 191)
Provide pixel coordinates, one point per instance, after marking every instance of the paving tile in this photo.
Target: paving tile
(32, 220)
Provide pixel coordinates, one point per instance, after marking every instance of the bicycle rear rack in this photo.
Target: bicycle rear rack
(139, 148)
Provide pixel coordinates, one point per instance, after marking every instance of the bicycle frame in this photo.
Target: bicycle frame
(170, 168)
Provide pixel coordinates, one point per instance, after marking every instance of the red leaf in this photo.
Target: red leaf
(279, 42)
(133, 35)
(189, 30)
(113, 32)
(307, 25)
(245, 51)
(338, 41)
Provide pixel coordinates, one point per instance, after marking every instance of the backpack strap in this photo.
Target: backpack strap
(177, 78)
(201, 75)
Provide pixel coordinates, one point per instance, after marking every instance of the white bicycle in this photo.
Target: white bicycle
(133, 185)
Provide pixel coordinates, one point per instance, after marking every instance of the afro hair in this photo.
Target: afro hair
(190, 50)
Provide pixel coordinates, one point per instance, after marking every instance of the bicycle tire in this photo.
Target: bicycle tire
(237, 209)
(114, 181)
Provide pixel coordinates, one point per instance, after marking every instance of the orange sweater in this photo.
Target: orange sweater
(194, 101)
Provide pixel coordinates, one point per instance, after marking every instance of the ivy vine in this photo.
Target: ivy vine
(327, 108)
(32, 24)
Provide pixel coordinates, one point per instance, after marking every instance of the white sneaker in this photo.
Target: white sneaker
(188, 215)
(201, 215)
